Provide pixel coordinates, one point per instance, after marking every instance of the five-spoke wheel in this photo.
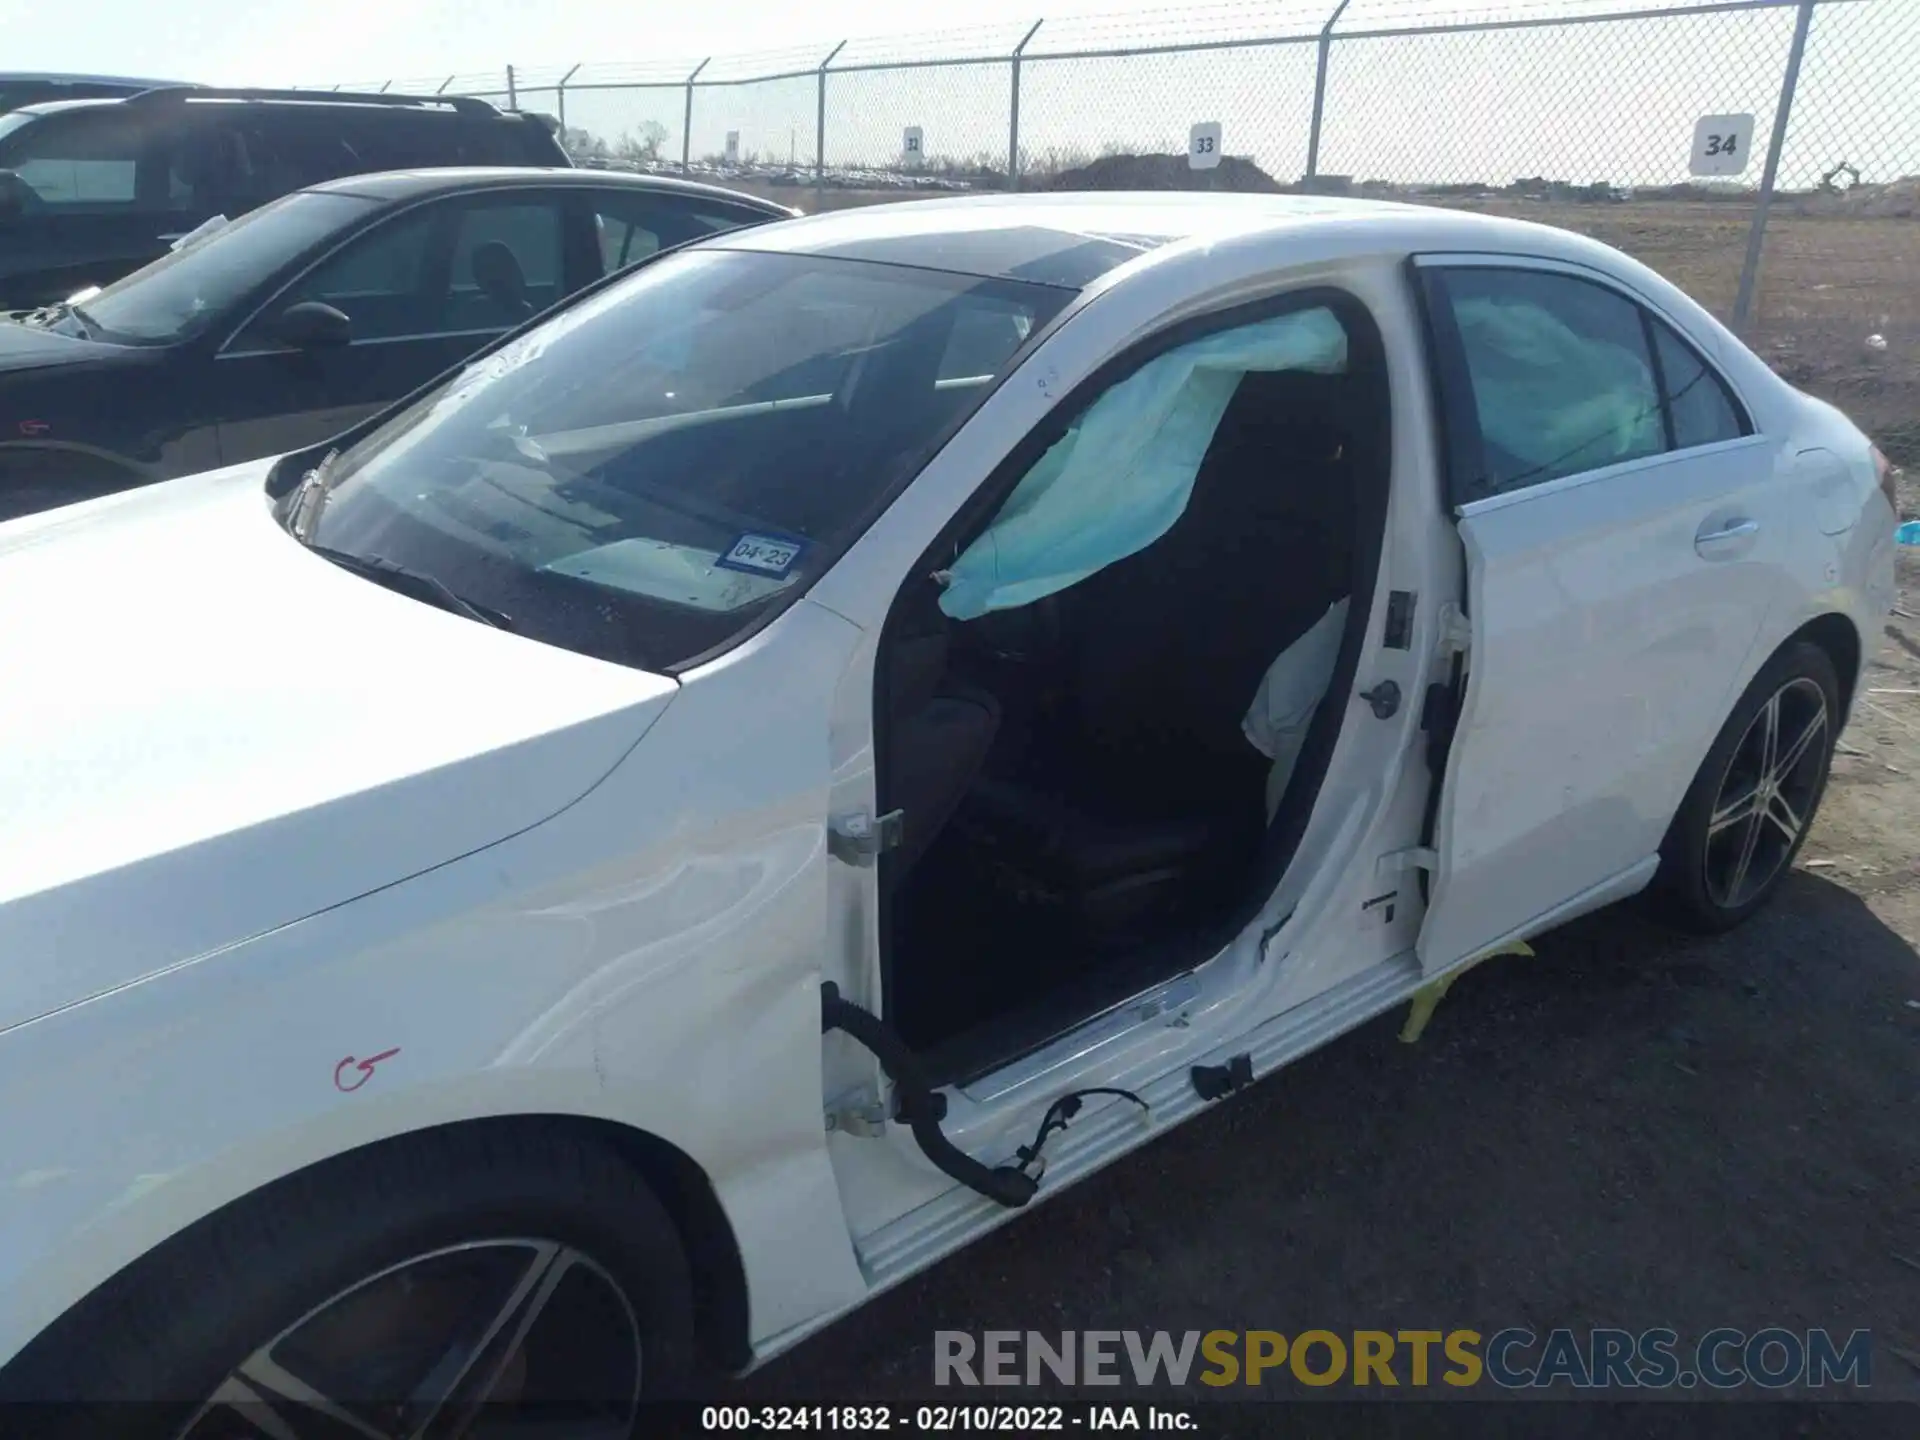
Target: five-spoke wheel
(1748, 810)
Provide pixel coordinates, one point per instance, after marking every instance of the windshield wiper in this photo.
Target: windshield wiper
(309, 496)
(50, 315)
(89, 327)
(383, 571)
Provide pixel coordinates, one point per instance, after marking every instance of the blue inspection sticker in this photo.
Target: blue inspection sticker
(756, 554)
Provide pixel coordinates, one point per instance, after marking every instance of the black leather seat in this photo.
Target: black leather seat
(1144, 796)
(939, 730)
(496, 270)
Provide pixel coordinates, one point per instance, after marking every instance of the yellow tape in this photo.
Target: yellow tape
(1428, 996)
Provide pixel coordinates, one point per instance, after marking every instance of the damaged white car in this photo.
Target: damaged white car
(838, 734)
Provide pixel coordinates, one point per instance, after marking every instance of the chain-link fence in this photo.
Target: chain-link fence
(1764, 154)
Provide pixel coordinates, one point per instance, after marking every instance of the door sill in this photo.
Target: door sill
(956, 1216)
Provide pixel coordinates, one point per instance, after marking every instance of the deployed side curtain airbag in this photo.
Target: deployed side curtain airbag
(1119, 479)
(1554, 400)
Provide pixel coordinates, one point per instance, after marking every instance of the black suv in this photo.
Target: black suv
(19, 88)
(93, 189)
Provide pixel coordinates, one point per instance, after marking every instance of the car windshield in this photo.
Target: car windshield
(182, 293)
(648, 474)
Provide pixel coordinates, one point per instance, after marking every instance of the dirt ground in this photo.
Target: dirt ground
(1630, 1129)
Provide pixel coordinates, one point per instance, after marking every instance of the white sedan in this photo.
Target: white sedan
(840, 733)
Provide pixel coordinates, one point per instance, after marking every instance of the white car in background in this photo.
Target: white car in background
(620, 860)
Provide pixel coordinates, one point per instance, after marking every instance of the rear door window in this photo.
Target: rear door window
(1703, 408)
(632, 224)
(287, 152)
(79, 161)
(1554, 376)
(507, 261)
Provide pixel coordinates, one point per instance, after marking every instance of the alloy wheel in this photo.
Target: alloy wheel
(1767, 795)
(414, 1352)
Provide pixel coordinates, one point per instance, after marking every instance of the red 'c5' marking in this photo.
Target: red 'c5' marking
(350, 1074)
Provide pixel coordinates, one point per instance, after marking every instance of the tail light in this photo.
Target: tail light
(1884, 468)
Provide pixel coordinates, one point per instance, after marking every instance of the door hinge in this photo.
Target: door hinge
(1456, 630)
(1418, 857)
(859, 839)
(860, 1112)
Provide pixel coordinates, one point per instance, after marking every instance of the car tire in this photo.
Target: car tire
(1702, 885)
(301, 1274)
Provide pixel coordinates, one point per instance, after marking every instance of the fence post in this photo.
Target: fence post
(1013, 117)
(560, 92)
(820, 126)
(513, 97)
(1757, 234)
(686, 123)
(1320, 88)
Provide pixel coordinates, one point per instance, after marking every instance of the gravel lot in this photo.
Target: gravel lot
(1629, 1129)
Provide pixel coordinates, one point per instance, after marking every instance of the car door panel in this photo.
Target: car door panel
(1614, 611)
(1605, 653)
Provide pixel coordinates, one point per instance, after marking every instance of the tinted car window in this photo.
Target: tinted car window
(379, 280)
(287, 151)
(113, 160)
(1558, 377)
(79, 160)
(647, 473)
(633, 224)
(1702, 408)
(185, 292)
(506, 263)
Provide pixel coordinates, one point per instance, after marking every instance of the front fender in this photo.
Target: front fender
(649, 957)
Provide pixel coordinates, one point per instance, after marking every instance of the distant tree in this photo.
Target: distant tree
(582, 145)
(642, 145)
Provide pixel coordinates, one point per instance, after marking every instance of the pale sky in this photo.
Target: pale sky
(1615, 101)
(323, 41)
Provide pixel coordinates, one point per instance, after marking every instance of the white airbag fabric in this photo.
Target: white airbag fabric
(1276, 723)
(1120, 478)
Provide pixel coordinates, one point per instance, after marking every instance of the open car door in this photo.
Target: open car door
(1621, 557)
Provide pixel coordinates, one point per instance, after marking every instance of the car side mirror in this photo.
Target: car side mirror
(16, 196)
(310, 325)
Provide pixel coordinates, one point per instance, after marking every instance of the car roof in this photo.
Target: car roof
(63, 77)
(389, 185)
(1072, 238)
(56, 107)
(171, 91)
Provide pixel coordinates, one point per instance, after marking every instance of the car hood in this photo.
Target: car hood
(210, 732)
(28, 347)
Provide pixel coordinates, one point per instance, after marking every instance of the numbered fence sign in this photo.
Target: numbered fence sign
(1203, 146)
(733, 147)
(1721, 144)
(910, 144)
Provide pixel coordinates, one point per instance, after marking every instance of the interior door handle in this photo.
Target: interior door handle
(1732, 530)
